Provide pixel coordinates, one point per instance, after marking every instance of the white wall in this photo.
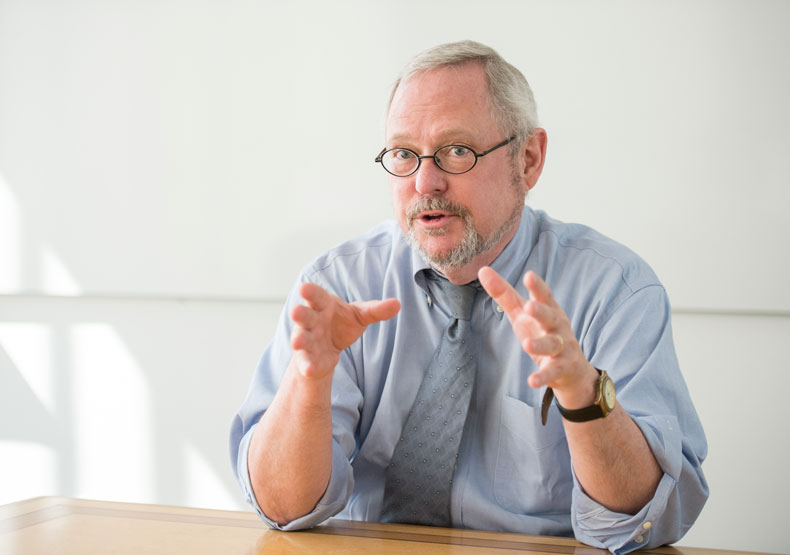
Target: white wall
(166, 168)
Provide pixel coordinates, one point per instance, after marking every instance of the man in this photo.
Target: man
(351, 386)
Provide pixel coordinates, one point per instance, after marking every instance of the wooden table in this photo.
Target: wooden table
(56, 525)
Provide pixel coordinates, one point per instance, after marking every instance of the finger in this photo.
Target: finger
(548, 345)
(538, 289)
(548, 374)
(537, 379)
(304, 316)
(369, 312)
(316, 297)
(300, 339)
(501, 291)
(525, 326)
(548, 316)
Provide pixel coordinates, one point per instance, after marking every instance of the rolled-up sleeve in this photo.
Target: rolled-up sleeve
(635, 346)
(332, 502)
(346, 400)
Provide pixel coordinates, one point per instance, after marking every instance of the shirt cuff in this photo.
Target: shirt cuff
(621, 533)
(332, 502)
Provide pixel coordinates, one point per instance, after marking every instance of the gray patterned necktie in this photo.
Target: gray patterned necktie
(420, 474)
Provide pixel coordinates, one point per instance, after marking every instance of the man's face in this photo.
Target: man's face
(455, 221)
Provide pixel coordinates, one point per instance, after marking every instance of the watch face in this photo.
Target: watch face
(608, 393)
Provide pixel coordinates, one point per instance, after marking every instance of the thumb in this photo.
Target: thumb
(370, 312)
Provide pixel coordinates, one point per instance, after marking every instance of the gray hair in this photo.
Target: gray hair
(512, 103)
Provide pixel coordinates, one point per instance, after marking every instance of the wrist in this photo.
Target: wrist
(581, 393)
(311, 367)
(308, 389)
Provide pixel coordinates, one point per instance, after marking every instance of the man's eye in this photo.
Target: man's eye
(459, 151)
(402, 154)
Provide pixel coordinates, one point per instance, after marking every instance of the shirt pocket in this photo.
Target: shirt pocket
(533, 469)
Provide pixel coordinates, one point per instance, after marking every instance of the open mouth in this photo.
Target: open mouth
(433, 219)
(433, 213)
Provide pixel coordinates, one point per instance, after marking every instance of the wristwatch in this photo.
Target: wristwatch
(602, 406)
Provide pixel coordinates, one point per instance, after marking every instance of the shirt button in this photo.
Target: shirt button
(647, 525)
(640, 539)
(499, 308)
(428, 299)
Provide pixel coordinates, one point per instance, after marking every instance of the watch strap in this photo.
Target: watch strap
(581, 415)
(585, 414)
(548, 397)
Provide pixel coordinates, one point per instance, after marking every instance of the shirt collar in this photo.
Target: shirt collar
(418, 268)
(510, 262)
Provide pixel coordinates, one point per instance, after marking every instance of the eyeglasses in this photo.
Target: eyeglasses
(455, 159)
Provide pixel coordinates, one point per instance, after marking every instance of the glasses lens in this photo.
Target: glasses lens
(400, 161)
(455, 158)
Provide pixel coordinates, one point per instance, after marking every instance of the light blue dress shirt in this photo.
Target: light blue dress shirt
(513, 473)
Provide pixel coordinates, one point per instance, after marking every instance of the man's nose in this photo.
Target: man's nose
(429, 179)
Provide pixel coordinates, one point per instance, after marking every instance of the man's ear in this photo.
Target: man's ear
(533, 155)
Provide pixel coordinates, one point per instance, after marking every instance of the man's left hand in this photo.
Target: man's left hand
(545, 334)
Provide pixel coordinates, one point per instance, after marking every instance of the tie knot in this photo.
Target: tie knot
(459, 298)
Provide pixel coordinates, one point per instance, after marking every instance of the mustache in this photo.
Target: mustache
(425, 204)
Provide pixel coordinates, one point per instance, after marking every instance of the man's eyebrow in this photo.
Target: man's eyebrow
(444, 138)
(397, 138)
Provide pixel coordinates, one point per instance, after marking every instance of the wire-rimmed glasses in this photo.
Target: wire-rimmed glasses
(455, 159)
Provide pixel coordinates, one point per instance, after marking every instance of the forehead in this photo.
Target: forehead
(441, 103)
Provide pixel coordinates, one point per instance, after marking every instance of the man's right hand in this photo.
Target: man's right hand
(326, 325)
(290, 456)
